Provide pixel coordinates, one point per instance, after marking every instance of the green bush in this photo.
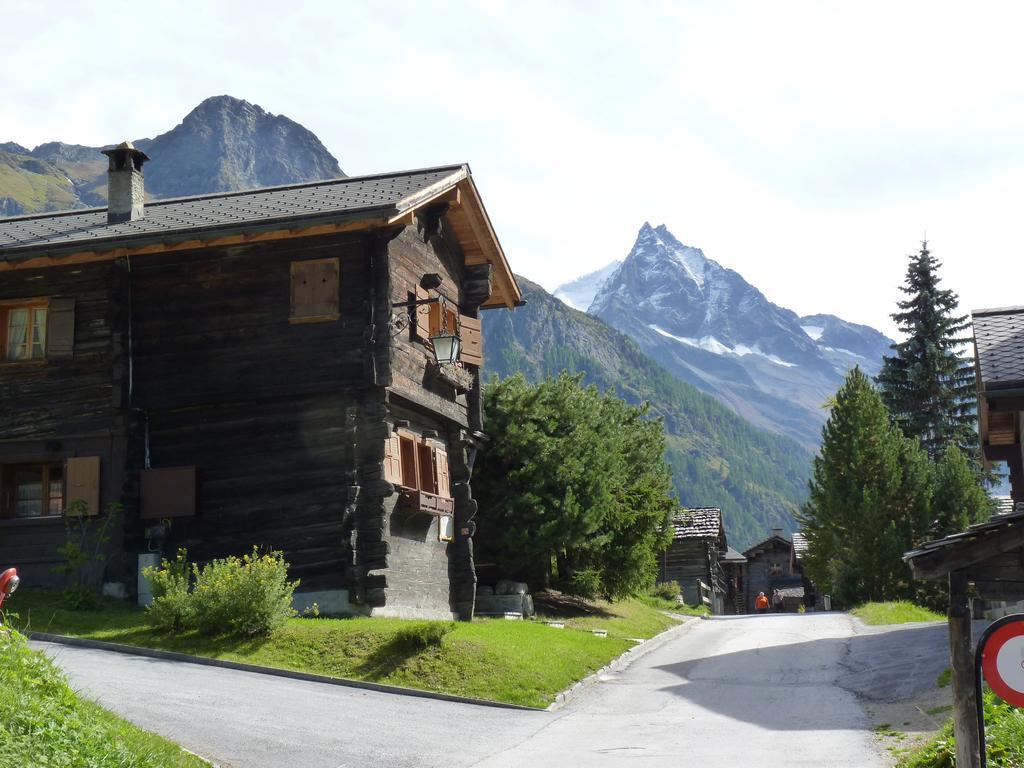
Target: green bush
(237, 596)
(171, 609)
(667, 590)
(422, 635)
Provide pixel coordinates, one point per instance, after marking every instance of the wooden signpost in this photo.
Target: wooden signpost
(999, 658)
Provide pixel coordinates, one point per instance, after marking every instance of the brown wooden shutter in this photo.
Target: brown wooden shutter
(422, 315)
(82, 483)
(60, 330)
(392, 460)
(472, 349)
(315, 285)
(443, 480)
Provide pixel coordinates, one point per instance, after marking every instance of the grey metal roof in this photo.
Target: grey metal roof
(732, 556)
(701, 523)
(356, 197)
(999, 340)
(991, 527)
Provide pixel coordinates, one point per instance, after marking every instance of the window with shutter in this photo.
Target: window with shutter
(23, 330)
(32, 490)
(472, 349)
(407, 457)
(425, 469)
(315, 289)
(82, 484)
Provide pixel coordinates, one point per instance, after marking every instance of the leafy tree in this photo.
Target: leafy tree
(928, 385)
(573, 489)
(869, 499)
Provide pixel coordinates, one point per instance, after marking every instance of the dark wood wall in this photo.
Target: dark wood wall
(685, 561)
(263, 407)
(56, 409)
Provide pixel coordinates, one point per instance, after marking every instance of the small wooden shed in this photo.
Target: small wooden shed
(698, 544)
(986, 561)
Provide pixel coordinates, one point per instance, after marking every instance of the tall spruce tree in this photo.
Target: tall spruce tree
(869, 500)
(928, 385)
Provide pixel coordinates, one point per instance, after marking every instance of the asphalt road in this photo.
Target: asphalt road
(769, 691)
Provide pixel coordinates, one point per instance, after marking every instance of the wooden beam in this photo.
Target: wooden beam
(484, 234)
(1010, 591)
(961, 657)
(113, 253)
(963, 554)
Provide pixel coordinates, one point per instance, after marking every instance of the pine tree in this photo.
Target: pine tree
(928, 385)
(869, 499)
(958, 499)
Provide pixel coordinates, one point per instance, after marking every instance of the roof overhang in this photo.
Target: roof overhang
(466, 214)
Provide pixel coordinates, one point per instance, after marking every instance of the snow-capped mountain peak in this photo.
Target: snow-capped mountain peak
(711, 327)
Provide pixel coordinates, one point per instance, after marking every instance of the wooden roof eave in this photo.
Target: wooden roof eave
(936, 564)
(195, 239)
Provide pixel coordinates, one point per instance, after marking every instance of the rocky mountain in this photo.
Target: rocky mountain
(719, 459)
(579, 294)
(707, 325)
(223, 144)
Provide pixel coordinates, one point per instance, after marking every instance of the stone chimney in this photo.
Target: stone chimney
(777, 532)
(125, 192)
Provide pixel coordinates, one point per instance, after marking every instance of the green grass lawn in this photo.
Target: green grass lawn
(519, 662)
(1004, 738)
(897, 612)
(44, 723)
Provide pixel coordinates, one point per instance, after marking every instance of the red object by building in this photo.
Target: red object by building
(8, 583)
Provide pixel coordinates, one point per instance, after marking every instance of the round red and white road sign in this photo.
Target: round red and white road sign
(1002, 662)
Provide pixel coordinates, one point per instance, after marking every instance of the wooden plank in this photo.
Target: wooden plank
(961, 655)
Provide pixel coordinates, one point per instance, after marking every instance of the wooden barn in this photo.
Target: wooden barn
(773, 564)
(293, 367)
(698, 545)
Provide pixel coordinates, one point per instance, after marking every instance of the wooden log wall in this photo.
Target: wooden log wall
(264, 408)
(73, 406)
(685, 561)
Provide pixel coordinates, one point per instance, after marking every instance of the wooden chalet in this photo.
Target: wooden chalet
(254, 368)
(773, 564)
(694, 556)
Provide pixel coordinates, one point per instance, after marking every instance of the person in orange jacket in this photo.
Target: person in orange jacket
(761, 603)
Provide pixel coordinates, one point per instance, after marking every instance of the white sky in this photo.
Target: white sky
(807, 145)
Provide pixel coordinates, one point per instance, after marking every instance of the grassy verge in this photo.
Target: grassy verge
(897, 612)
(519, 662)
(43, 722)
(1004, 739)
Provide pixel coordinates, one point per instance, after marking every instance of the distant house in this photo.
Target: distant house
(695, 555)
(773, 564)
(294, 367)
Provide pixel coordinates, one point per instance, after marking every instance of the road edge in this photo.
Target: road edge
(132, 650)
(622, 662)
